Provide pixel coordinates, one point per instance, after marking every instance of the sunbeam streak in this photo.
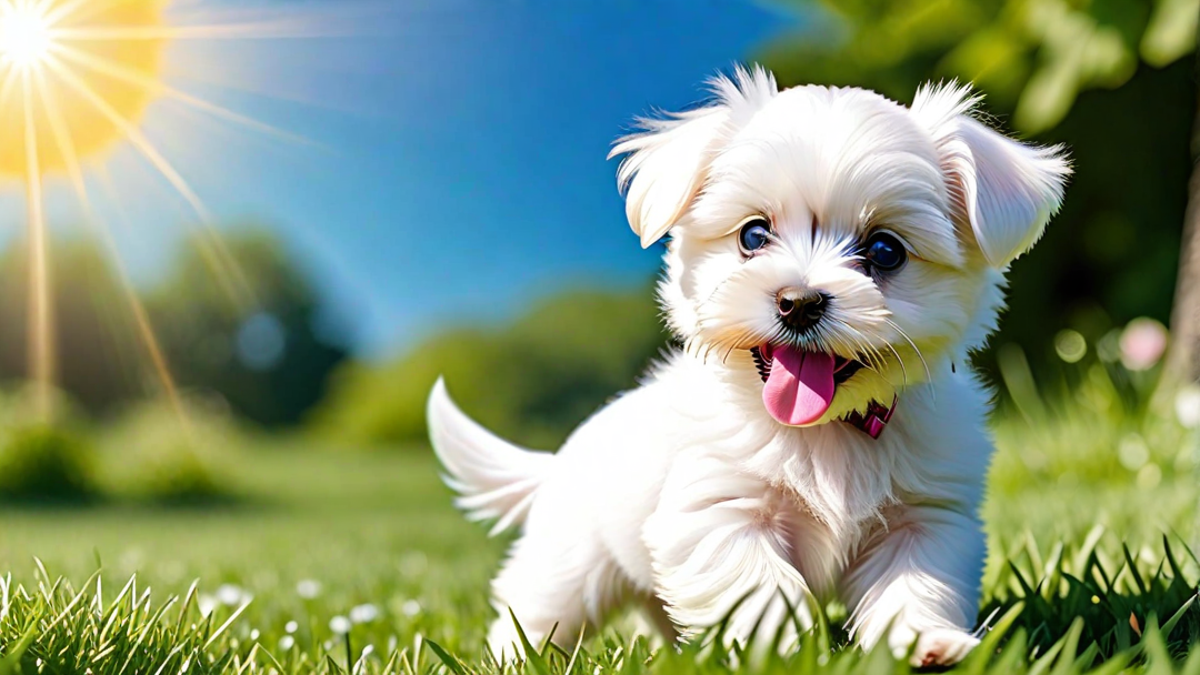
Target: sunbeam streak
(141, 319)
(227, 272)
(115, 70)
(41, 330)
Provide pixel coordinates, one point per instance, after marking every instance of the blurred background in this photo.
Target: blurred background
(438, 202)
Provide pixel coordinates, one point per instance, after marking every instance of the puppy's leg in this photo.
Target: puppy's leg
(552, 580)
(719, 546)
(919, 581)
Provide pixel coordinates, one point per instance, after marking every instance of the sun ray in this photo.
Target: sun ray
(76, 10)
(257, 30)
(67, 9)
(116, 71)
(141, 319)
(41, 327)
(10, 85)
(227, 271)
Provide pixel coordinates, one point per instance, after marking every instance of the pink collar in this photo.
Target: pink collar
(875, 419)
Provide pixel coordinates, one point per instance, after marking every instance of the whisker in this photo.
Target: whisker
(900, 360)
(924, 363)
(728, 352)
(896, 352)
(867, 349)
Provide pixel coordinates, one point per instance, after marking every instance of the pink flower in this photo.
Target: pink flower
(1142, 343)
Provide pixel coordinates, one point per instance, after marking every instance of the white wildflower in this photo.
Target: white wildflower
(308, 589)
(365, 613)
(291, 627)
(231, 595)
(340, 625)
(411, 608)
(206, 604)
(1187, 406)
(286, 643)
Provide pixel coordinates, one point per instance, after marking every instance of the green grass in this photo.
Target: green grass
(1090, 569)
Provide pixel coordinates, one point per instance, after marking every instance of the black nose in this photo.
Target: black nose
(803, 311)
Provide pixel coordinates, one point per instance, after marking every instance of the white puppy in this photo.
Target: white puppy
(833, 258)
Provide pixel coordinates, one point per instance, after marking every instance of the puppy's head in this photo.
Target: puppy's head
(829, 246)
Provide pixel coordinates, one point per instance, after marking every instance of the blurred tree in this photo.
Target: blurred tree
(1105, 77)
(97, 350)
(531, 381)
(1183, 359)
(249, 327)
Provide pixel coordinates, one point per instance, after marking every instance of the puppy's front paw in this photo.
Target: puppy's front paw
(942, 647)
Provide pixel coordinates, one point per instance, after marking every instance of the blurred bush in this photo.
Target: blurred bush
(1107, 78)
(532, 380)
(149, 454)
(45, 465)
(41, 464)
(145, 453)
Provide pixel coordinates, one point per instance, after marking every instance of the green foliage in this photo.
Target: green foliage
(241, 319)
(1033, 57)
(42, 464)
(532, 380)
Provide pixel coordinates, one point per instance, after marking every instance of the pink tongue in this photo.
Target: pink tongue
(800, 387)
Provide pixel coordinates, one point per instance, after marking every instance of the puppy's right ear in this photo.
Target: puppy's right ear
(665, 166)
(1004, 190)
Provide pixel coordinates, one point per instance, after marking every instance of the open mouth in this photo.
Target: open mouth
(843, 368)
(799, 385)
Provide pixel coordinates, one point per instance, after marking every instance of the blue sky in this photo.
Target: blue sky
(460, 162)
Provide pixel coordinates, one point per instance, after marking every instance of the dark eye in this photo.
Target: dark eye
(884, 252)
(754, 235)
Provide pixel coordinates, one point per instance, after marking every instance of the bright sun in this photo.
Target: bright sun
(24, 36)
(75, 77)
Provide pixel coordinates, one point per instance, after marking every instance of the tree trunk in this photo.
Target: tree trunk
(1183, 359)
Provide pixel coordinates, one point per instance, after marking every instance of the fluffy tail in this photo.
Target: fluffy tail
(494, 478)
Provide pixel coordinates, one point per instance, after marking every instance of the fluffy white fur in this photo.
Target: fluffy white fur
(684, 494)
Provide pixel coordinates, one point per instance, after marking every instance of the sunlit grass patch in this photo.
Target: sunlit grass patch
(1068, 610)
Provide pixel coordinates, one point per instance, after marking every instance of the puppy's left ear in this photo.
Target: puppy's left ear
(665, 165)
(1006, 190)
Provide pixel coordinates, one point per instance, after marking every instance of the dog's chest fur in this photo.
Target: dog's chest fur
(829, 488)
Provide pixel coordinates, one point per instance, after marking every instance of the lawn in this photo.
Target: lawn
(331, 540)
